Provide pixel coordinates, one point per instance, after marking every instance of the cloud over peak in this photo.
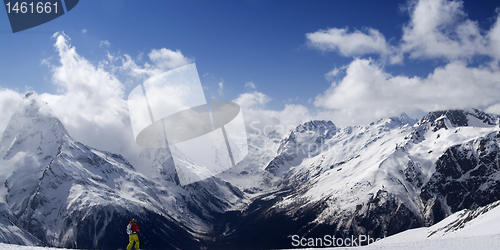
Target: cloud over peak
(436, 29)
(366, 85)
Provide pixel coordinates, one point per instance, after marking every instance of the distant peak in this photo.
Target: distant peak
(315, 125)
(32, 106)
(32, 117)
(396, 121)
(405, 119)
(458, 117)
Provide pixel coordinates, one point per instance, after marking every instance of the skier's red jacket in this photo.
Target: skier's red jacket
(134, 228)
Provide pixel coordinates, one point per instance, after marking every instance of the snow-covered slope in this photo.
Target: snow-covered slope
(375, 180)
(479, 222)
(70, 195)
(474, 229)
(466, 229)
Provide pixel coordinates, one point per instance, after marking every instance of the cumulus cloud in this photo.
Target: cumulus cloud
(349, 43)
(168, 59)
(366, 86)
(221, 87)
(84, 31)
(438, 29)
(260, 119)
(161, 60)
(9, 102)
(250, 85)
(252, 100)
(441, 29)
(104, 43)
(493, 37)
(89, 101)
(332, 74)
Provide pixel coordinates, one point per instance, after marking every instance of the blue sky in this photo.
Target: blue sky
(237, 41)
(351, 62)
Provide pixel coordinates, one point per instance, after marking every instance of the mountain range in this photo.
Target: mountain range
(381, 179)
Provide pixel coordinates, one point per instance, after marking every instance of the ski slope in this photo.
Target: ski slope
(466, 229)
(5, 246)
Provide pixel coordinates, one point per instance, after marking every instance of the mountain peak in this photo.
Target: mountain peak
(30, 126)
(405, 119)
(395, 121)
(458, 118)
(315, 125)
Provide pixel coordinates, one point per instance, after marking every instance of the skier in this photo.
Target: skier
(132, 230)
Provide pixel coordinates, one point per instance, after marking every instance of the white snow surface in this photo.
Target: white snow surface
(6, 246)
(466, 229)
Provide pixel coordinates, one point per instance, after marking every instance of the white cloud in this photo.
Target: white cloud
(89, 101)
(437, 29)
(440, 28)
(494, 109)
(349, 43)
(366, 86)
(332, 74)
(258, 118)
(363, 91)
(352, 43)
(140, 56)
(161, 61)
(493, 38)
(9, 102)
(90, 97)
(104, 43)
(209, 75)
(221, 87)
(168, 59)
(84, 31)
(252, 100)
(131, 68)
(250, 85)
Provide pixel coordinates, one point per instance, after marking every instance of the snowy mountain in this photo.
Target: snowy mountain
(381, 179)
(67, 194)
(375, 180)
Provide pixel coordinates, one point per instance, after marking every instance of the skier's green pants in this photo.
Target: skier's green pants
(131, 239)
